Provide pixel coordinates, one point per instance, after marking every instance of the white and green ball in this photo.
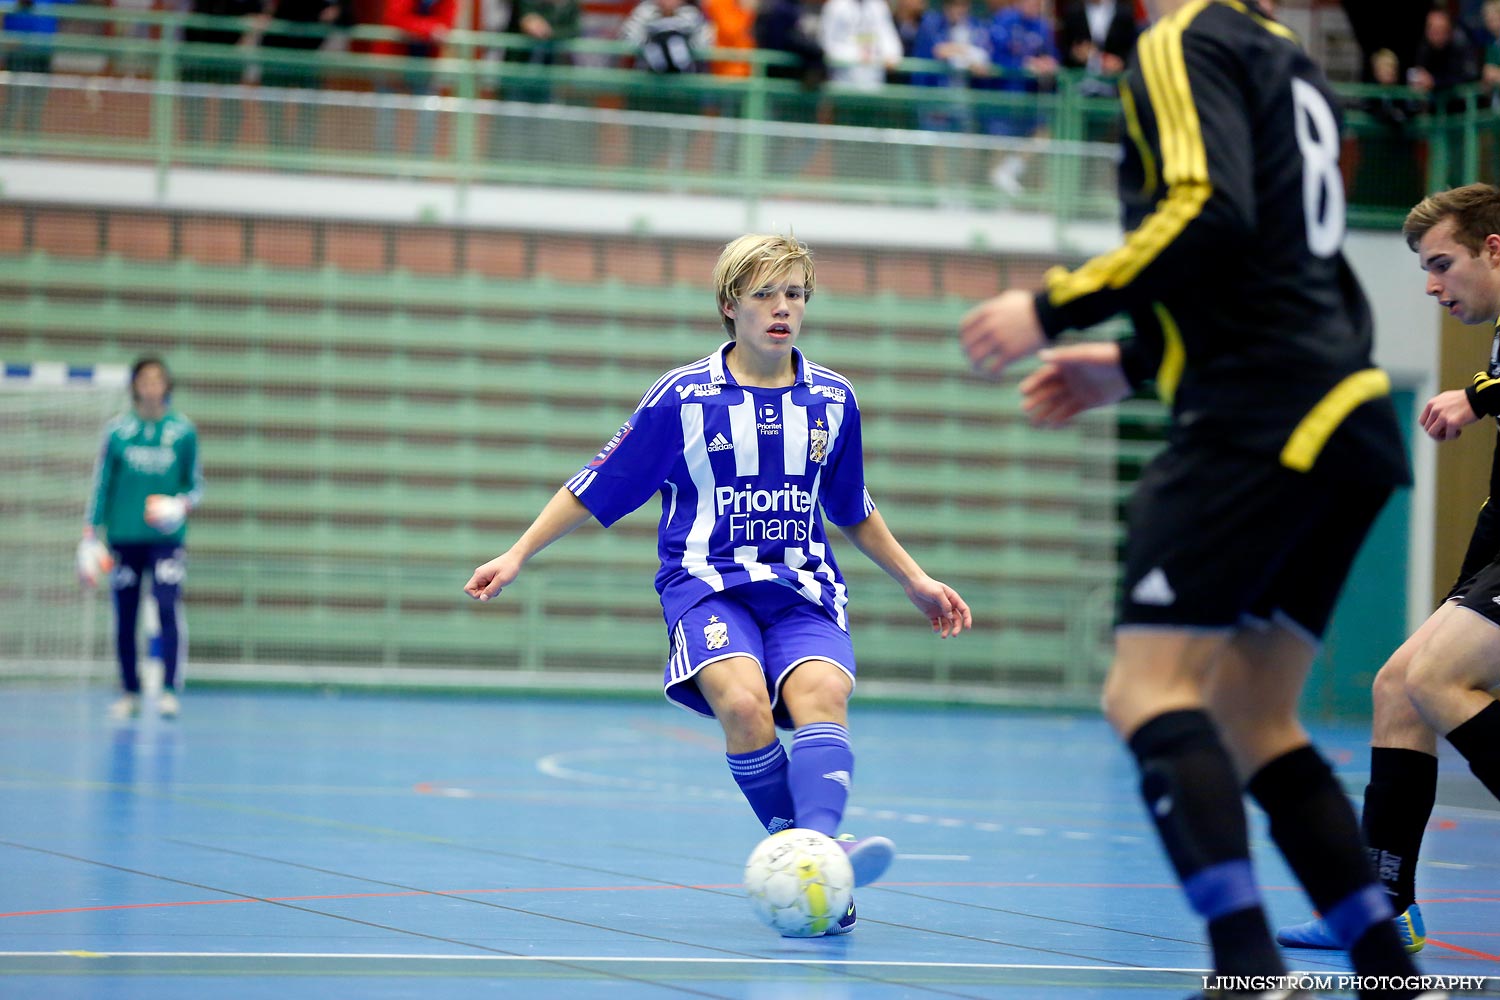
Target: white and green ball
(799, 882)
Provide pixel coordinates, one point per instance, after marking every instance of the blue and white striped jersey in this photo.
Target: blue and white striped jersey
(742, 472)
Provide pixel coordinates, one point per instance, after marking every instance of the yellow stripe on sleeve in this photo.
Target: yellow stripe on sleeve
(1274, 27)
(1184, 165)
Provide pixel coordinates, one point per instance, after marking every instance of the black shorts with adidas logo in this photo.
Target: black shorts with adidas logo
(1219, 537)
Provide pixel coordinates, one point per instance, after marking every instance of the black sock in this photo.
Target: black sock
(1314, 826)
(1398, 804)
(1379, 953)
(1191, 793)
(1479, 741)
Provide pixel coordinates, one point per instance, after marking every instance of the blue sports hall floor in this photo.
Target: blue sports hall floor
(312, 845)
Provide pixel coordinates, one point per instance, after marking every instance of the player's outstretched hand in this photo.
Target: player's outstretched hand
(941, 604)
(1073, 379)
(1446, 414)
(94, 561)
(1000, 331)
(495, 575)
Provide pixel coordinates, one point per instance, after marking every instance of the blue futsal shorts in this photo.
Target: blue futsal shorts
(766, 621)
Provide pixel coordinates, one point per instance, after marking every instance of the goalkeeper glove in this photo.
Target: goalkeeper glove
(165, 513)
(94, 561)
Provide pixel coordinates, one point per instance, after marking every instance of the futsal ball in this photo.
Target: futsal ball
(799, 882)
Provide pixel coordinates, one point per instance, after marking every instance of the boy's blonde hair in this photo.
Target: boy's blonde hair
(754, 260)
(1474, 209)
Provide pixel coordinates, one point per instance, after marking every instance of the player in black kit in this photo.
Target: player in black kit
(1439, 682)
(1282, 449)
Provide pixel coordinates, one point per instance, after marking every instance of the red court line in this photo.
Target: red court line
(592, 888)
(1464, 951)
(659, 888)
(356, 895)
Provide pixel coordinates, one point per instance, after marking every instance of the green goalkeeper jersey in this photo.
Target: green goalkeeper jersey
(140, 458)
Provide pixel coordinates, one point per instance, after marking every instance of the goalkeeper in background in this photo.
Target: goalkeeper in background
(147, 480)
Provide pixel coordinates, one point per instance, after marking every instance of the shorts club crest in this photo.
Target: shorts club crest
(716, 634)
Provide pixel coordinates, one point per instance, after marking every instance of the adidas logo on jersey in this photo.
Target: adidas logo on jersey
(778, 824)
(842, 777)
(1154, 590)
(719, 443)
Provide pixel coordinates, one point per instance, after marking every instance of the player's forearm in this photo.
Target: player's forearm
(96, 512)
(1146, 268)
(872, 537)
(563, 513)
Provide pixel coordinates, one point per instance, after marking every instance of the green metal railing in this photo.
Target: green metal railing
(756, 125)
(505, 121)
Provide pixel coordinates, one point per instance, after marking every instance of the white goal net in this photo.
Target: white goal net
(51, 419)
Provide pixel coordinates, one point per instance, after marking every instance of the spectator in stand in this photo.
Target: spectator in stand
(793, 27)
(907, 16)
(1490, 71)
(669, 37)
(1482, 31)
(1489, 74)
(957, 38)
(24, 103)
(1444, 58)
(426, 23)
(324, 13)
(1390, 109)
(1384, 167)
(1026, 60)
(1098, 36)
(734, 28)
(197, 67)
(733, 23)
(859, 41)
(549, 25)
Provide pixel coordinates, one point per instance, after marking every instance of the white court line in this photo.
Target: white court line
(933, 857)
(597, 959)
(638, 960)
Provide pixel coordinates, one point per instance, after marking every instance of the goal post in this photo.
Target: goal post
(52, 416)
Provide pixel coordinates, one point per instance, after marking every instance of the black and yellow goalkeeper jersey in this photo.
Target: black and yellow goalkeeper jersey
(1246, 313)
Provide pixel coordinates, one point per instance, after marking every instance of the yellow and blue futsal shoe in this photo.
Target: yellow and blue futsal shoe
(1315, 933)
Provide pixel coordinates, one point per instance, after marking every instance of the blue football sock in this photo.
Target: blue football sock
(762, 776)
(821, 769)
